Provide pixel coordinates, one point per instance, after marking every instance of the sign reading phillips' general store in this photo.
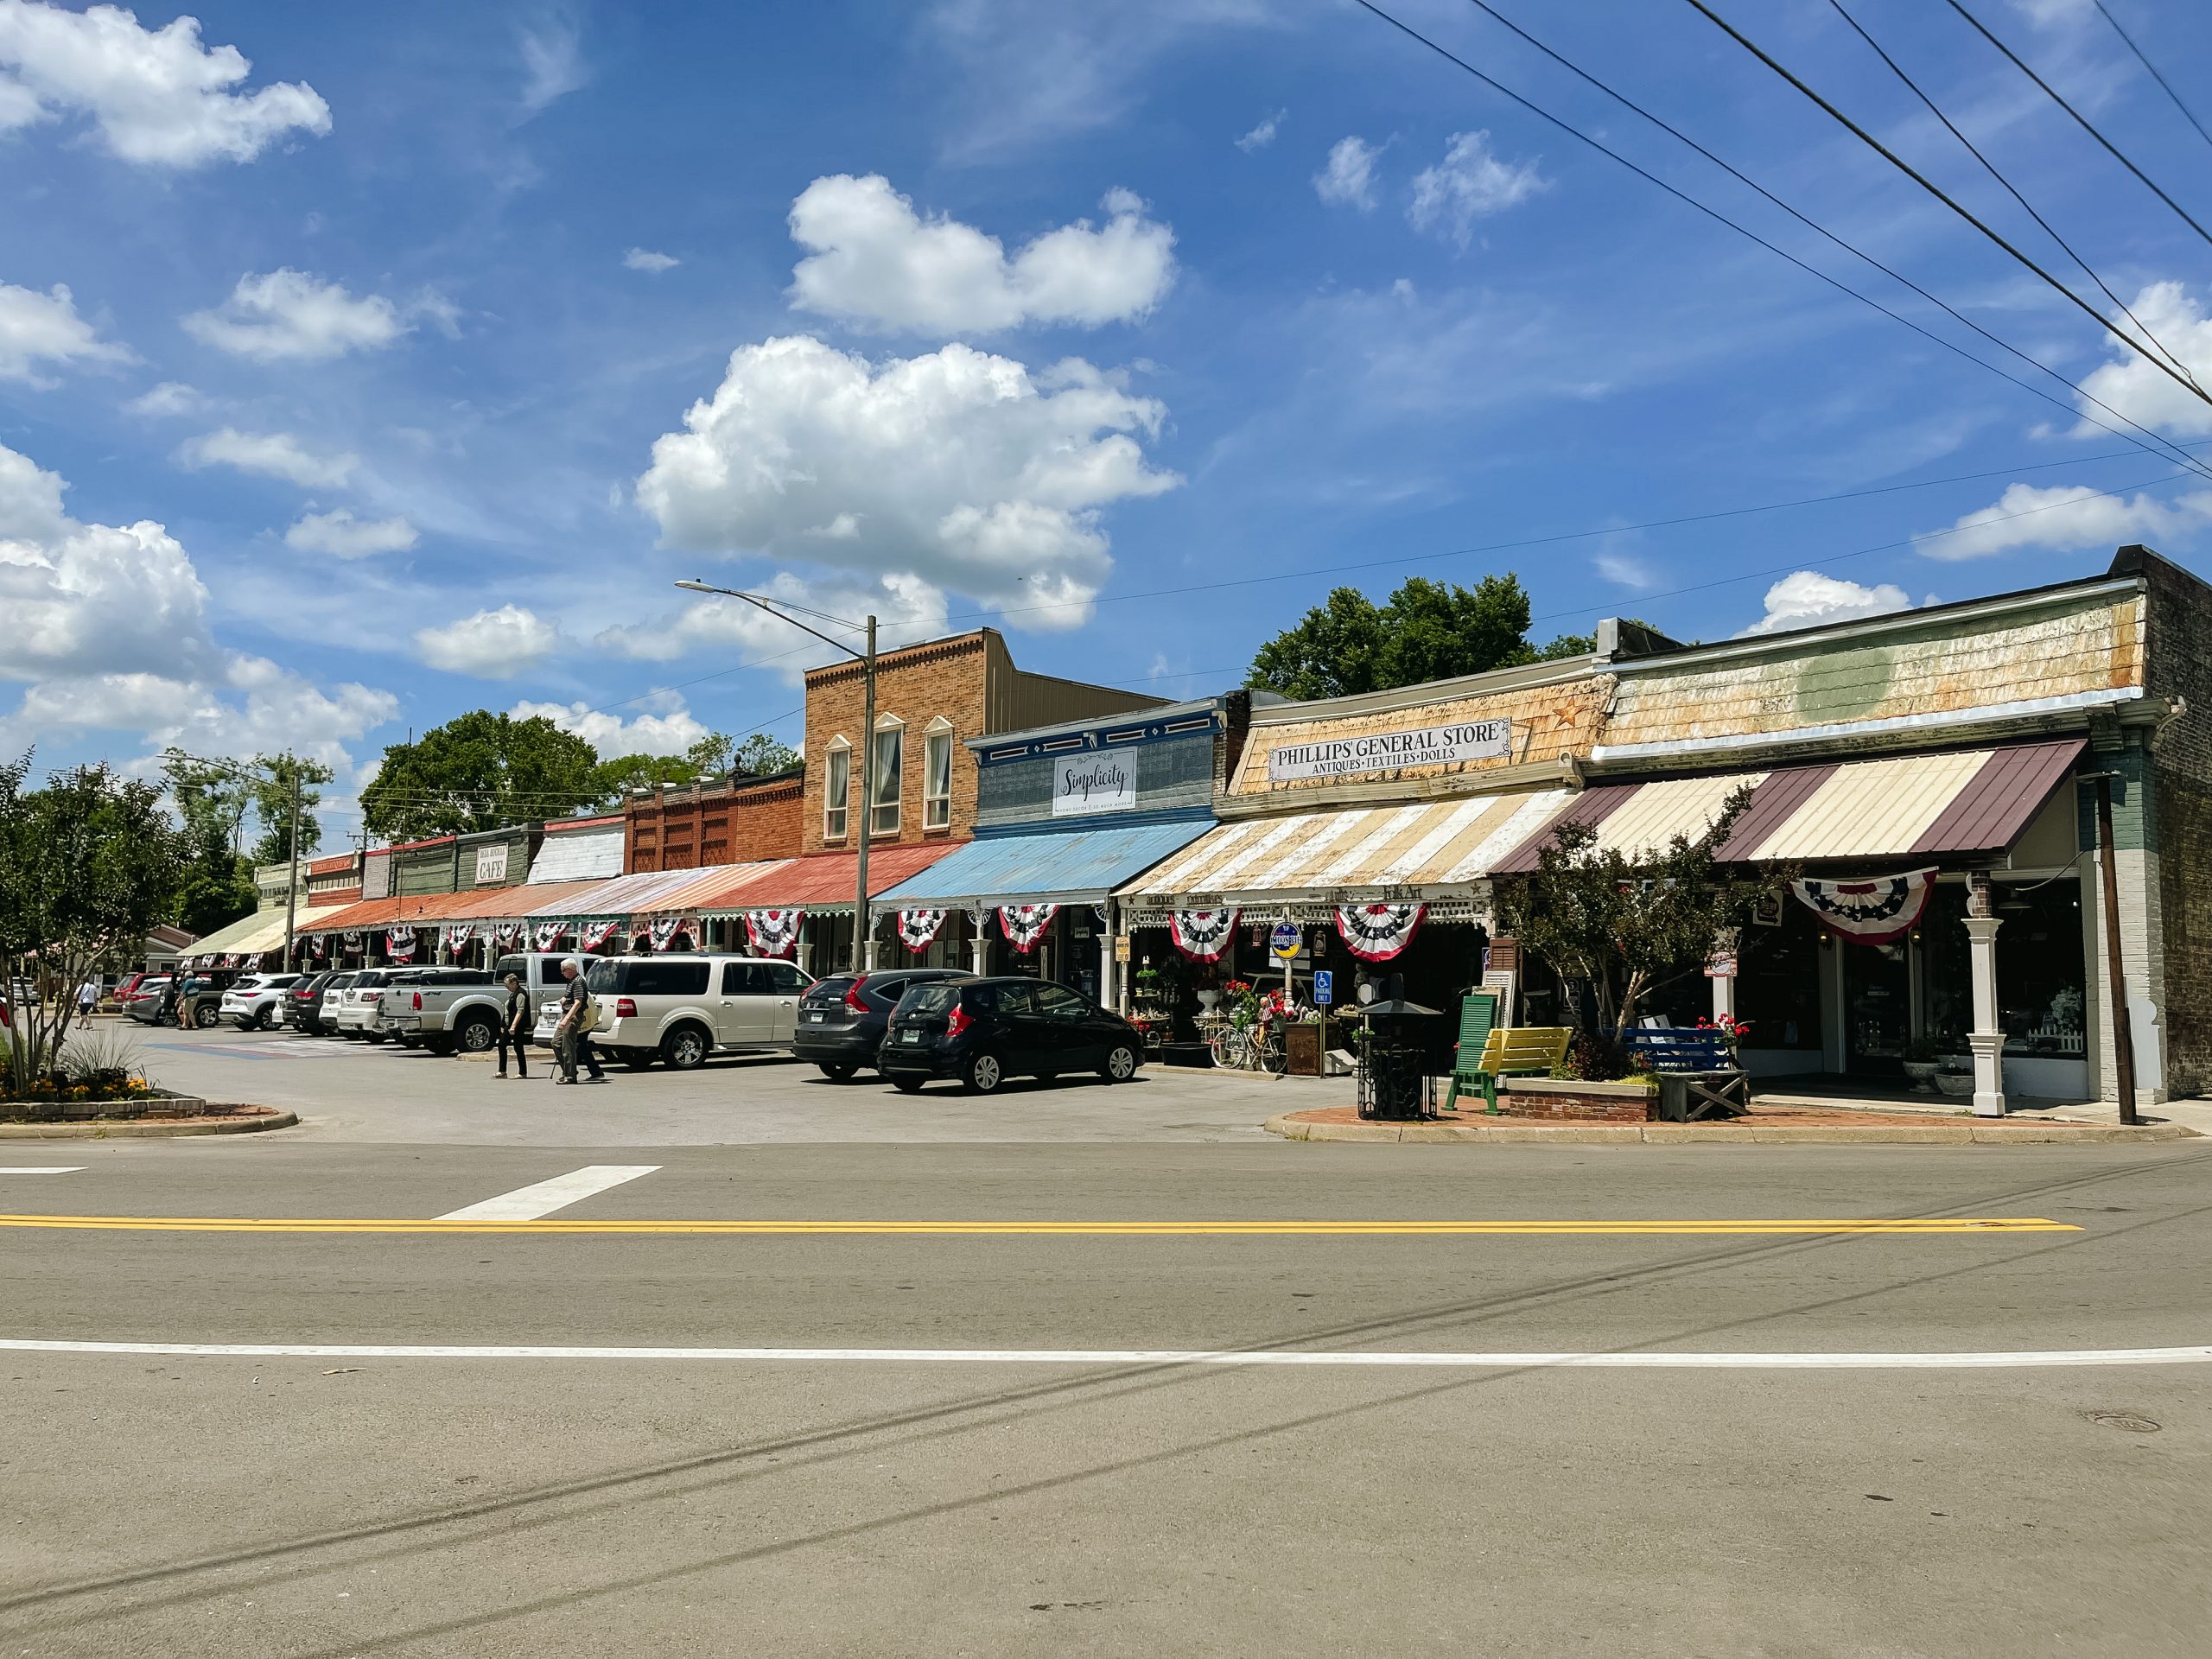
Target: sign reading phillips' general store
(1093, 784)
(1431, 746)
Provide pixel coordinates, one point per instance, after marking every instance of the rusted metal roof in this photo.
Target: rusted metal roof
(1959, 801)
(822, 880)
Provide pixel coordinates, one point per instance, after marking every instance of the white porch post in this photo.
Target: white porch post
(1106, 998)
(867, 920)
(980, 943)
(1724, 986)
(1987, 1037)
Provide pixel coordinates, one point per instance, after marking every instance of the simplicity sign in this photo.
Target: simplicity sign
(1471, 740)
(1092, 783)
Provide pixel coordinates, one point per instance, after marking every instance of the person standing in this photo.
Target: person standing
(573, 1035)
(514, 1027)
(188, 1002)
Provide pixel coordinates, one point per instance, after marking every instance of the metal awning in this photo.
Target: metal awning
(824, 883)
(1429, 850)
(1059, 866)
(249, 936)
(1959, 802)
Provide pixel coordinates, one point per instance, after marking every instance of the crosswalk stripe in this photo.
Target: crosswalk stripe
(543, 1198)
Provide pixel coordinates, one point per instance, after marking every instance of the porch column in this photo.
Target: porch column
(1724, 987)
(1105, 955)
(869, 923)
(1987, 1037)
(979, 941)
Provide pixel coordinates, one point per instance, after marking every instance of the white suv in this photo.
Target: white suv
(355, 1012)
(257, 1001)
(682, 1008)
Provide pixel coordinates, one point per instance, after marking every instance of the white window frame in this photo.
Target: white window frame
(836, 789)
(886, 782)
(937, 808)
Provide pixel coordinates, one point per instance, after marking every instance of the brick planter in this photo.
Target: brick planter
(1570, 1100)
(75, 1111)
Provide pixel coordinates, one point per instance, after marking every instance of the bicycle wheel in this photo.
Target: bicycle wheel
(1274, 1055)
(1221, 1042)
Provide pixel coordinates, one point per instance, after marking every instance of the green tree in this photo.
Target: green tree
(758, 755)
(215, 885)
(272, 805)
(1428, 631)
(762, 756)
(480, 771)
(214, 798)
(88, 864)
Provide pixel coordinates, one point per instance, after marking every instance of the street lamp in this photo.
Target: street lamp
(862, 922)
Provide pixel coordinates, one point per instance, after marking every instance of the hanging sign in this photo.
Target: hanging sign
(1023, 926)
(918, 928)
(1430, 746)
(399, 943)
(1286, 939)
(492, 864)
(458, 935)
(1720, 965)
(1201, 935)
(1377, 933)
(1871, 909)
(548, 934)
(1096, 782)
(774, 933)
(595, 934)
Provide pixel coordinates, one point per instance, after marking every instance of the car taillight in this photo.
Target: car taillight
(853, 996)
(626, 1008)
(959, 1021)
(418, 1000)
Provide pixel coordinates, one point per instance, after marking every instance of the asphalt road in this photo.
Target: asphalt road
(1043, 1502)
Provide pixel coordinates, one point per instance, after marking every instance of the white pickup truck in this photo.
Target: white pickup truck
(444, 1009)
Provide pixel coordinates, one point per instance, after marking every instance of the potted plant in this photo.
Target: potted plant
(1923, 1060)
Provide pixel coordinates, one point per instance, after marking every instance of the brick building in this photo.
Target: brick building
(722, 820)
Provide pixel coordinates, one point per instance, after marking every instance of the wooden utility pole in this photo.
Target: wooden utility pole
(2123, 1028)
(292, 887)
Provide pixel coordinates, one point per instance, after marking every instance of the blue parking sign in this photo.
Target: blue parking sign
(1324, 987)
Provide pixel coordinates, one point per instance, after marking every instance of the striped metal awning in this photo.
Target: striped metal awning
(1427, 851)
(1958, 802)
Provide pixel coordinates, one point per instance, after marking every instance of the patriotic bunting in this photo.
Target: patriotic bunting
(1871, 909)
(399, 943)
(1378, 932)
(352, 941)
(1023, 926)
(458, 935)
(507, 933)
(1201, 935)
(319, 944)
(665, 932)
(548, 934)
(774, 933)
(595, 934)
(917, 928)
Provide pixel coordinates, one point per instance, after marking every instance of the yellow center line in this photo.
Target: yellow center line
(1069, 1228)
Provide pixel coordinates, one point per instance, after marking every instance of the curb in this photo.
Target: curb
(124, 1128)
(1677, 1134)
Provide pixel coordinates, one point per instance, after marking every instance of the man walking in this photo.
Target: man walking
(573, 1035)
(514, 1027)
(88, 997)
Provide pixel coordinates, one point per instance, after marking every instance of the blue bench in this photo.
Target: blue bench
(1698, 1076)
(1680, 1048)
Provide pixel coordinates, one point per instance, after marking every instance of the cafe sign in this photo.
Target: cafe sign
(1093, 782)
(1430, 746)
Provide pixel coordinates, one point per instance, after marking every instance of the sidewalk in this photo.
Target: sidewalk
(1767, 1123)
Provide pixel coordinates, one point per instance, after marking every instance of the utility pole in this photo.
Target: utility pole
(292, 850)
(2123, 1027)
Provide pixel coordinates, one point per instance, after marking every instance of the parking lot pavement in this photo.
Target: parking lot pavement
(349, 1091)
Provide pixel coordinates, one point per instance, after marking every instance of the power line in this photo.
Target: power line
(2159, 444)
(2187, 114)
(1937, 191)
(2080, 119)
(1992, 169)
(2168, 451)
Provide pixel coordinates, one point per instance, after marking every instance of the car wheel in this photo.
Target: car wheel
(378, 1036)
(837, 1073)
(684, 1048)
(439, 1046)
(907, 1085)
(1121, 1063)
(637, 1059)
(477, 1036)
(984, 1072)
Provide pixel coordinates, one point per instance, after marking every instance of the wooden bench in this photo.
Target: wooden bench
(1522, 1052)
(1698, 1076)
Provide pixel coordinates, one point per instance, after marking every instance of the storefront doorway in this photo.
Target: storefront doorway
(1877, 1006)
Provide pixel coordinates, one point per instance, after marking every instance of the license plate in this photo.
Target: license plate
(817, 1018)
(910, 1036)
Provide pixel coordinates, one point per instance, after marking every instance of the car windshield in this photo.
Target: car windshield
(831, 989)
(930, 999)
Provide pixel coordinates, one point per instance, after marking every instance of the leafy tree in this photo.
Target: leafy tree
(1428, 631)
(215, 885)
(272, 804)
(761, 756)
(477, 771)
(617, 778)
(88, 864)
(758, 755)
(1626, 928)
(212, 797)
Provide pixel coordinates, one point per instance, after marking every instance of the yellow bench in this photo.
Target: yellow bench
(1519, 1052)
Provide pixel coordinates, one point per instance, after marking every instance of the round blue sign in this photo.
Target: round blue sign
(1286, 939)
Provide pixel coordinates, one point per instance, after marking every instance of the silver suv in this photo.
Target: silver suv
(682, 1008)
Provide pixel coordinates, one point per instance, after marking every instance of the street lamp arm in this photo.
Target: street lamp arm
(780, 609)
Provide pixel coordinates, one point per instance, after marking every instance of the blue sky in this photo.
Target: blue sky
(403, 372)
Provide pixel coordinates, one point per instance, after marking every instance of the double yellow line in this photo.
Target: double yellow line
(1947, 1225)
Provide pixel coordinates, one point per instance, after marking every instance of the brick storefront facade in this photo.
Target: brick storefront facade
(695, 826)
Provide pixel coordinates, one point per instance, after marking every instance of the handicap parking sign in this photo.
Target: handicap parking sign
(1324, 987)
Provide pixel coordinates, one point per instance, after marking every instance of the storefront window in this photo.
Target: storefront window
(837, 791)
(937, 787)
(1778, 980)
(883, 782)
(2040, 971)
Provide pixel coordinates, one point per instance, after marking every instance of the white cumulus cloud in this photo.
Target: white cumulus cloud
(158, 97)
(1805, 599)
(342, 536)
(288, 315)
(170, 397)
(1347, 178)
(1264, 134)
(959, 467)
(2065, 518)
(270, 455)
(1469, 183)
(491, 645)
(2145, 393)
(645, 259)
(37, 328)
(874, 262)
(671, 731)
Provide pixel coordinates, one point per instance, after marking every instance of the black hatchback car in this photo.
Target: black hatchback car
(301, 1001)
(316, 1014)
(984, 1031)
(841, 1019)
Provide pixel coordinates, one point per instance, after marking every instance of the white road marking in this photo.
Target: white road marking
(42, 1169)
(543, 1198)
(1654, 1359)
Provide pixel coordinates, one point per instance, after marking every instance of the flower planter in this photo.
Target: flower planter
(1576, 1100)
(1923, 1074)
(1302, 1050)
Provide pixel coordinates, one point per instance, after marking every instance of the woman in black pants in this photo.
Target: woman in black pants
(514, 1027)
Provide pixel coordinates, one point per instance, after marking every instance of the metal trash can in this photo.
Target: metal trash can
(1395, 1084)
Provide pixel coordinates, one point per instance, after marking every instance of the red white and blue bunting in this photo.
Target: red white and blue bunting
(774, 933)
(457, 936)
(1023, 926)
(1869, 909)
(661, 934)
(592, 935)
(399, 943)
(507, 933)
(548, 934)
(1378, 932)
(918, 928)
(1201, 935)
(351, 943)
(319, 944)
